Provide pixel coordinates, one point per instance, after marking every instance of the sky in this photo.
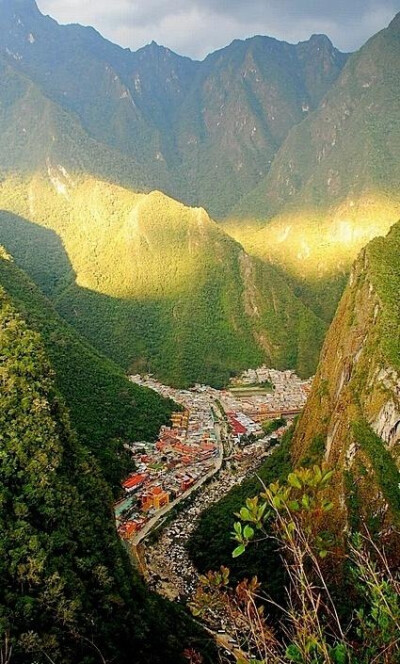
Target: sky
(198, 27)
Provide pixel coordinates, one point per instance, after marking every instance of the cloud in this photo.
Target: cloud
(197, 27)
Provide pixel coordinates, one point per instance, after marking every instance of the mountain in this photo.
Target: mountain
(36, 132)
(67, 591)
(151, 283)
(73, 105)
(352, 417)
(351, 423)
(205, 132)
(333, 184)
(245, 101)
(105, 408)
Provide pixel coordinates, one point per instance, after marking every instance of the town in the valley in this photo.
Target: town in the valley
(214, 432)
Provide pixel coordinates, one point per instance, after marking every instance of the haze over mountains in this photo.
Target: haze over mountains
(334, 184)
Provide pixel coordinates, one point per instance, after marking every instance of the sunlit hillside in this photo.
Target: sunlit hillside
(352, 417)
(154, 284)
(106, 409)
(316, 248)
(334, 184)
(204, 132)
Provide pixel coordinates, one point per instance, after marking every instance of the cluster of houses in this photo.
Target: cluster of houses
(188, 450)
(183, 453)
(241, 425)
(286, 398)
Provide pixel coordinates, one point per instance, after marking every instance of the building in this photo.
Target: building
(186, 483)
(134, 482)
(154, 498)
(129, 528)
(180, 420)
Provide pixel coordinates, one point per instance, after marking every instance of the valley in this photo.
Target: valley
(199, 323)
(224, 426)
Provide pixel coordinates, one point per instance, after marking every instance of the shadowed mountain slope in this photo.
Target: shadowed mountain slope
(106, 409)
(334, 184)
(203, 132)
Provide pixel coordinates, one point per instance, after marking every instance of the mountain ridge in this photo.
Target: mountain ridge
(333, 184)
(149, 105)
(155, 284)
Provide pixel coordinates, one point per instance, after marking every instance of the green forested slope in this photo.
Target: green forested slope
(67, 592)
(351, 423)
(244, 102)
(37, 134)
(333, 185)
(349, 146)
(354, 404)
(153, 284)
(106, 409)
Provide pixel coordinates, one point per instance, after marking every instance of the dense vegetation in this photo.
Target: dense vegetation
(385, 272)
(157, 286)
(67, 592)
(236, 126)
(153, 284)
(310, 628)
(352, 415)
(269, 426)
(105, 408)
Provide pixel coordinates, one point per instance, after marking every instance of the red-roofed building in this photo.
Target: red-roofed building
(129, 528)
(207, 446)
(186, 483)
(237, 427)
(134, 482)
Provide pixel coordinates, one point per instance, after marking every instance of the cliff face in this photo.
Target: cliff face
(352, 418)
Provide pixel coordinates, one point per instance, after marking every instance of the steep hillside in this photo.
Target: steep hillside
(105, 408)
(333, 185)
(352, 418)
(203, 132)
(351, 423)
(245, 101)
(153, 284)
(67, 592)
(37, 133)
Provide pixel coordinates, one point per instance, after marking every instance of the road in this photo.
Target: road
(146, 530)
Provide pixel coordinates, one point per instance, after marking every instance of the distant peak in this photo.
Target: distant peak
(322, 40)
(395, 23)
(154, 46)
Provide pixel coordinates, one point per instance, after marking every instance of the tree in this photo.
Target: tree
(310, 630)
